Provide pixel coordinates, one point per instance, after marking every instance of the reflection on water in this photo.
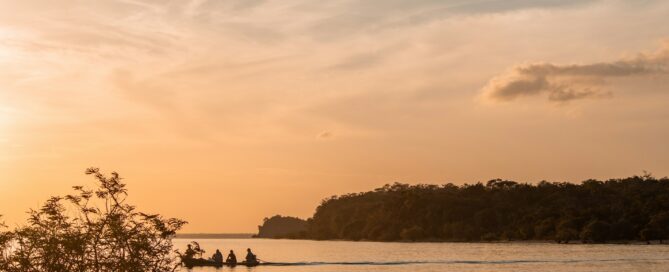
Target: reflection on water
(292, 255)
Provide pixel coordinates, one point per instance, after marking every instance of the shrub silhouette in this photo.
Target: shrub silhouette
(91, 230)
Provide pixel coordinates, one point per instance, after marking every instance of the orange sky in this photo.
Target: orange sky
(225, 112)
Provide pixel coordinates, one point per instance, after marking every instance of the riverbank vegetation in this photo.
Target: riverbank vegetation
(634, 208)
(91, 230)
(282, 227)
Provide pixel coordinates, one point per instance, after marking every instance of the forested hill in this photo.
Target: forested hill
(634, 208)
(281, 227)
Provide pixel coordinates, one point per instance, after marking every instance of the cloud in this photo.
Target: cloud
(366, 59)
(325, 135)
(562, 83)
(343, 19)
(487, 6)
(359, 61)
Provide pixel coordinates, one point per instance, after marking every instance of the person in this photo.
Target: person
(250, 257)
(218, 257)
(232, 259)
(190, 252)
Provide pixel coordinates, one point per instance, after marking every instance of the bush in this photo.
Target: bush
(413, 233)
(596, 231)
(5, 240)
(489, 237)
(99, 232)
(566, 231)
(648, 234)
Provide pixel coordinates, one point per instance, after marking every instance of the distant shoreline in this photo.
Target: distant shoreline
(575, 242)
(251, 236)
(213, 235)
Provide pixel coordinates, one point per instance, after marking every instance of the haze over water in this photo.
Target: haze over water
(301, 255)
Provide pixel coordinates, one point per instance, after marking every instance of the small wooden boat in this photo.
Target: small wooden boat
(205, 262)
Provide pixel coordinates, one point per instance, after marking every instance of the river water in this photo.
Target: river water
(300, 255)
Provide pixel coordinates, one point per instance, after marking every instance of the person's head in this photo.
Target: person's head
(218, 251)
(232, 252)
(248, 250)
(189, 246)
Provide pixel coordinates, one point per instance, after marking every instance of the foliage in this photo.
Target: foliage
(567, 230)
(596, 231)
(5, 243)
(634, 208)
(196, 250)
(282, 227)
(91, 230)
(412, 233)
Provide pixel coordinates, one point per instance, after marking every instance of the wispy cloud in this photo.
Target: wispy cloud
(325, 135)
(562, 83)
(343, 19)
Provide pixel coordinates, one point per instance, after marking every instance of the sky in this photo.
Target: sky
(223, 112)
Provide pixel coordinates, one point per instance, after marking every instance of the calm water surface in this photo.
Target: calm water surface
(370, 256)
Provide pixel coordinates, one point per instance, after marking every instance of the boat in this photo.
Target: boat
(189, 263)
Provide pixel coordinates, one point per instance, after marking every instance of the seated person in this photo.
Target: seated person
(218, 257)
(190, 252)
(250, 257)
(232, 259)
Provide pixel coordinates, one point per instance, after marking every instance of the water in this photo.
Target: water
(299, 256)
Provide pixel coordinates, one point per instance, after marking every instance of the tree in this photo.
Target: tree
(648, 234)
(545, 229)
(93, 230)
(566, 231)
(5, 240)
(660, 225)
(596, 231)
(412, 233)
(621, 230)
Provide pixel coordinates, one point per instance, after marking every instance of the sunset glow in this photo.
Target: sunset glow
(225, 112)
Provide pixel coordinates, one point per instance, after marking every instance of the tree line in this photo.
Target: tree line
(633, 208)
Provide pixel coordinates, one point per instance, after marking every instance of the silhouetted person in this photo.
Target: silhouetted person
(190, 252)
(218, 257)
(250, 257)
(232, 259)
